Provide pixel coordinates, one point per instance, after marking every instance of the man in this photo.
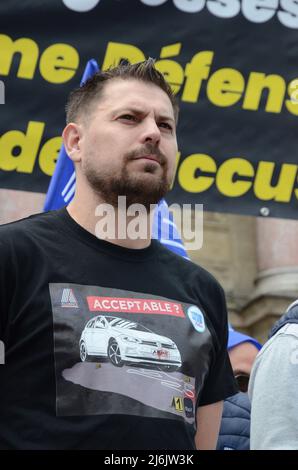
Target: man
(112, 341)
(235, 425)
(273, 387)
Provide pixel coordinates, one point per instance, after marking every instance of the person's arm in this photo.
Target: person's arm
(208, 423)
(219, 383)
(273, 390)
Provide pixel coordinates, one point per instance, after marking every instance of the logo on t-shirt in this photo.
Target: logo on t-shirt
(188, 407)
(197, 318)
(68, 299)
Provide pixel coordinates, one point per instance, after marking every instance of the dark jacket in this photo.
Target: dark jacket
(235, 425)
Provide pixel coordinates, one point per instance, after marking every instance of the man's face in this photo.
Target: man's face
(242, 358)
(128, 144)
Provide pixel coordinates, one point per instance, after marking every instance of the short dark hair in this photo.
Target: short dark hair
(81, 99)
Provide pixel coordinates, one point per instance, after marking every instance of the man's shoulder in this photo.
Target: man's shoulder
(193, 273)
(23, 223)
(187, 264)
(287, 333)
(279, 347)
(16, 231)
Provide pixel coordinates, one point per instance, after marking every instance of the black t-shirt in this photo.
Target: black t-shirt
(106, 347)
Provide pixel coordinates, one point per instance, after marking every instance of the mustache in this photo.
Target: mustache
(148, 149)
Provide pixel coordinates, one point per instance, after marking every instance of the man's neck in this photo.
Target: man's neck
(112, 224)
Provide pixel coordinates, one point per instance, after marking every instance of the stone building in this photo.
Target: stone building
(256, 261)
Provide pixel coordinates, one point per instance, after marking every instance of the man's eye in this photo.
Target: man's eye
(166, 126)
(128, 117)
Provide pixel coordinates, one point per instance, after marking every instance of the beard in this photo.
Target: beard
(139, 187)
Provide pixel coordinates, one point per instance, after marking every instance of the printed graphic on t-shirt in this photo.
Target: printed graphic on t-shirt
(122, 352)
(124, 341)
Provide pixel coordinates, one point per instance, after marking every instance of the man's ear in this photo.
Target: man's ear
(72, 141)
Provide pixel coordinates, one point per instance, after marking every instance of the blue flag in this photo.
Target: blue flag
(63, 182)
(62, 185)
(165, 230)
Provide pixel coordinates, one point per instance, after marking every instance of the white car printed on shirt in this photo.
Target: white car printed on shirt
(124, 341)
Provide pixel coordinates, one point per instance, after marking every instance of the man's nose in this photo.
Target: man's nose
(151, 132)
